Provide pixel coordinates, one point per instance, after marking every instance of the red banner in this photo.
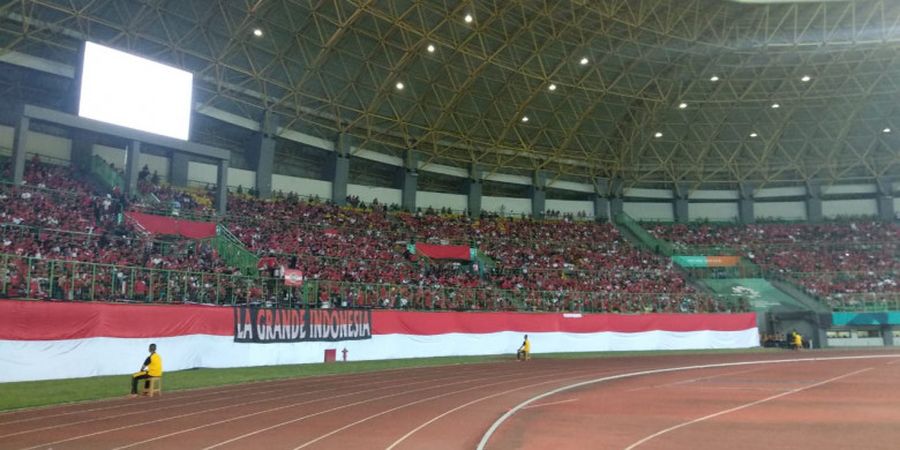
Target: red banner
(444, 251)
(35, 320)
(191, 229)
(293, 277)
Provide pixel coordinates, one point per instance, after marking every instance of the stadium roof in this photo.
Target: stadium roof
(652, 91)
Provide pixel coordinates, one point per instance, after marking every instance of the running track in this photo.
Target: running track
(799, 400)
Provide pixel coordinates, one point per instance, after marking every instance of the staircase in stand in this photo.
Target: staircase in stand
(233, 252)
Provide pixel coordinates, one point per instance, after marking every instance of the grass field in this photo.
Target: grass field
(28, 394)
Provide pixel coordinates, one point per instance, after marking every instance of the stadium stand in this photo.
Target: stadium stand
(845, 264)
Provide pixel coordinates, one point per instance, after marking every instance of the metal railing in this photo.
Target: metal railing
(108, 176)
(34, 278)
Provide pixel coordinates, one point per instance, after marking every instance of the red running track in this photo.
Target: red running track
(826, 403)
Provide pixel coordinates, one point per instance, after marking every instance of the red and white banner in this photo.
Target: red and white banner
(155, 224)
(293, 277)
(49, 340)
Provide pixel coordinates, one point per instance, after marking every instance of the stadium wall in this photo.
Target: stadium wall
(570, 206)
(49, 340)
(438, 200)
(713, 212)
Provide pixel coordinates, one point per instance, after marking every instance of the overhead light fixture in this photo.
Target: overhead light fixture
(805, 78)
(257, 32)
(399, 86)
(775, 106)
(430, 48)
(469, 18)
(682, 105)
(583, 61)
(658, 135)
(753, 134)
(886, 130)
(552, 87)
(714, 78)
(524, 119)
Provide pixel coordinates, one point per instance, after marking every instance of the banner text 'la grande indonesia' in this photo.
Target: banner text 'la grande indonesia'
(268, 325)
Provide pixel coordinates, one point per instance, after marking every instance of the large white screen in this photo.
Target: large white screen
(134, 92)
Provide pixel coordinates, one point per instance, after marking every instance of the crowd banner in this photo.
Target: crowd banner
(269, 325)
(433, 251)
(293, 277)
(155, 224)
(693, 262)
(53, 340)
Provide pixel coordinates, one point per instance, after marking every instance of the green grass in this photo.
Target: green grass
(28, 394)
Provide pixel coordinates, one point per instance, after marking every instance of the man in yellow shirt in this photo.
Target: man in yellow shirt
(524, 350)
(152, 367)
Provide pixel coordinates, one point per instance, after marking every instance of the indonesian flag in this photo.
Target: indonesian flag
(293, 277)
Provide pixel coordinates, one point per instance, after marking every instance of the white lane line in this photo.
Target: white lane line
(466, 405)
(422, 400)
(744, 406)
(551, 403)
(232, 419)
(231, 405)
(236, 438)
(692, 380)
(493, 428)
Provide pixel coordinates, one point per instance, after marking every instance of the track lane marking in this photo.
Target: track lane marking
(540, 405)
(496, 425)
(255, 432)
(387, 411)
(110, 430)
(466, 405)
(744, 406)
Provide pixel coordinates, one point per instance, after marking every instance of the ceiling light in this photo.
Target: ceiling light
(524, 119)
(886, 130)
(430, 48)
(399, 86)
(682, 106)
(753, 135)
(552, 87)
(805, 78)
(714, 78)
(583, 61)
(257, 32)
(775, 106)
(469, 18)
(658, 135)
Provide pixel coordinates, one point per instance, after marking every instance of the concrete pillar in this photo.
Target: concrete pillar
(341, 170)
(814, 201)
(538, 194)
(680, 202)
(178, 169)
(746, 214)
(473, 190)
(616, 197)
(222, 187)
(265, 155)
(409, 180)
(600, 199)
(885, 200)
(19, 146)
(82, 150)
(132, 167)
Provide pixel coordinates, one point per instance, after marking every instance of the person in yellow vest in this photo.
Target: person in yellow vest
(524, 350)
(152, 367)
(798, 340)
